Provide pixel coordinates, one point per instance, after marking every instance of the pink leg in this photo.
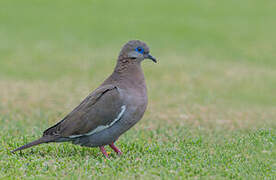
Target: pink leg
(103, 151)
(117, 150)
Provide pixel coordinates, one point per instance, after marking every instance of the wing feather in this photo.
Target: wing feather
(100, 108)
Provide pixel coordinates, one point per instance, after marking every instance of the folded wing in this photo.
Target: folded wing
(96, 112)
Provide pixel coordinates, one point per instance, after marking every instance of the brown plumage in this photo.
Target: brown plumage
(110, 110)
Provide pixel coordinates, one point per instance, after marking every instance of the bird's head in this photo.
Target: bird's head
(136, 50)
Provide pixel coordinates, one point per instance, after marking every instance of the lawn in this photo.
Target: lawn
(212, 94)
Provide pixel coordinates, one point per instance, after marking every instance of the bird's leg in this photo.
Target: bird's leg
(103, 151)
(117, 150)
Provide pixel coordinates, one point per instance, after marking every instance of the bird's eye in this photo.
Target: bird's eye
(140, 50)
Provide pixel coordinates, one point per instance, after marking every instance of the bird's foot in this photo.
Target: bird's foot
(117, 150)
(104, 151)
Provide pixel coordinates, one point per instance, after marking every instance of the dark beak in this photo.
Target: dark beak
(148, 56)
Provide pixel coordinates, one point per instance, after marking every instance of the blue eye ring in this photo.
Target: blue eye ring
(139, 50)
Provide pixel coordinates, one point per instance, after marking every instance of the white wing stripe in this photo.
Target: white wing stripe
(100, 128)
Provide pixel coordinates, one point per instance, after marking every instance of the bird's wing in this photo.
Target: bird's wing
(102, 108)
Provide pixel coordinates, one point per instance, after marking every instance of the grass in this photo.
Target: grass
(212, 103)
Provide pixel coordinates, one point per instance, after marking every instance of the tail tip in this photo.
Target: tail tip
(13, 151)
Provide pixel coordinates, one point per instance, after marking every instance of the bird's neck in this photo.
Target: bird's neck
(129, 70)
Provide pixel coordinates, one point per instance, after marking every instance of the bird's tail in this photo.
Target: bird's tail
(44, 139)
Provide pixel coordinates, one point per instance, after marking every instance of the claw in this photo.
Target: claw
(104, 151)
(117, 150)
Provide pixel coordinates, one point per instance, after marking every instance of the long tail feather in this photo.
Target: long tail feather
(41, 140)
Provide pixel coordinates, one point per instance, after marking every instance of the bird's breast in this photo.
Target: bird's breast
(136, 104)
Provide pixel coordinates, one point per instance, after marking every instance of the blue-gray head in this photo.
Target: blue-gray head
(136, 50)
